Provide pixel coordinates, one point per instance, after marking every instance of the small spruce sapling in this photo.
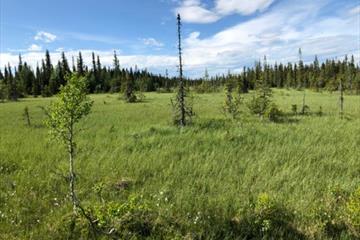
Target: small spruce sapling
(294, 109)
(262, 98)
(305, 108)
(232, 104)
(71, 106)
(129, 92)
(341, 100)
(26, 116)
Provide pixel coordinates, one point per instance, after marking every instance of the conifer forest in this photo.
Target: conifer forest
(199, 147)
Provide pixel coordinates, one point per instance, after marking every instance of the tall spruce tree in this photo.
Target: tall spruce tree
(80, 65)
(116, 78)
(36, 86)
(12, 85)
(183, 112)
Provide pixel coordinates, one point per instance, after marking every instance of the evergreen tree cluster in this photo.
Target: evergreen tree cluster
(317, 76)
(46, 79)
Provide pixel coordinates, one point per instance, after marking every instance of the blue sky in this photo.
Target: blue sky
(220, 35)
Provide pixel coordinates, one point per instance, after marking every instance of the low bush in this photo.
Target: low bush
(265, 219)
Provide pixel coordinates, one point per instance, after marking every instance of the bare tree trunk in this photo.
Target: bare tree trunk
(181, 94)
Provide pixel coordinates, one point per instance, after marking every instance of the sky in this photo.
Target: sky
(218, 35)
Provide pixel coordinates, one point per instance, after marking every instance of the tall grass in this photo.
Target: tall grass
(214, 168)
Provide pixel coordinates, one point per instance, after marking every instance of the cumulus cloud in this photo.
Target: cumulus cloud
(45, 37)
(278, 34)
(195, 12)
(152, 42)
(34, 48)
(244, 7)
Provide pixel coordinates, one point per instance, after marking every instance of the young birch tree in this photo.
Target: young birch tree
(71, 106)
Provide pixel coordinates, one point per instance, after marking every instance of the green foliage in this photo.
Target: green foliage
(265, 219)
(320, 112)
(305, 110)
(72, 105)
(133, 218)
(261, 101)
(339, 213)
(232, 104)
(208, 171)
(3, 91)
(273, 113)
(188, 102)
(26, 116)
(129, 90)
(294, 109)
(206, 86)
(352, 212)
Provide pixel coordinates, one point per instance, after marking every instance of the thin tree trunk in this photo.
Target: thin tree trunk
(181, 94)
(71, 170)
(303, 105)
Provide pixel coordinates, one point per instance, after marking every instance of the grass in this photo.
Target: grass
(209, 170)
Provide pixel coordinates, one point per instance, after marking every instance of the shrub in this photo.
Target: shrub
(294, 109)
(133, 218)
(259, 104)
(273, 113)
(305, 110)
(338, 215)
(232, 105)
(352, 212)
(265, 219)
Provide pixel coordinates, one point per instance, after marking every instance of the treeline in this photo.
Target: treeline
(327, 76)
(21, 81)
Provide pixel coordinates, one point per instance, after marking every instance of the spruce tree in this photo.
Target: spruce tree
(232, 103)
(262, 99)
(64, 65)
(116, 78)
(182, 111)
(129, 92)
(12, 85)
(36, 87)
(80, 65)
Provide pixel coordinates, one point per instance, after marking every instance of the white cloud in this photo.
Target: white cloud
(355, 10)
(34, 48)
(244, 7)
(195, 12)
(59, 49)
(45, 37)
(152, 42)
(278, 34)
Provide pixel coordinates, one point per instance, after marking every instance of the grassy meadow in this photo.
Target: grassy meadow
(198, 181)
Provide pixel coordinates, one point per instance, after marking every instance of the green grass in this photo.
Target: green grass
(213, 166)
